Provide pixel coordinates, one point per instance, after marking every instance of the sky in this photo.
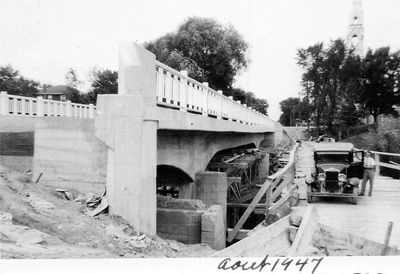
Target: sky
(43, 38)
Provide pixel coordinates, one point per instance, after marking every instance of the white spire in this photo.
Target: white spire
(355, 35)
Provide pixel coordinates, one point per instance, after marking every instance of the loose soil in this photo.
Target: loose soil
(38, 222)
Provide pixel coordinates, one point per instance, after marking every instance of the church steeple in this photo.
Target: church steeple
(355, 35)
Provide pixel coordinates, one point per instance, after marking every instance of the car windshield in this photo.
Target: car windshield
(332, 157)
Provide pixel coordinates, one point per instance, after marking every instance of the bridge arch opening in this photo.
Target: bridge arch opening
(245, 169)
(171, 181)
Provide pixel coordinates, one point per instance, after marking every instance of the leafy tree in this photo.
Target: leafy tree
(216, 53)
(73, 83)
(331, 80)
(13, 83)
(71, 79)
(210, 52)
(249, 99)
(380, 82)
(294, 110)
(103, 82)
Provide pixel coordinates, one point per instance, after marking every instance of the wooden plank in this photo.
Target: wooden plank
(269, 240)
(228, 165)
(232, 180)
(249, 210)
(233, 158)
(389, 166)
(241, 205)
(305, 233)
(387, 238)
(385, 153)
(282, 200)
(243, 233)
(246, 197)
(285, 182)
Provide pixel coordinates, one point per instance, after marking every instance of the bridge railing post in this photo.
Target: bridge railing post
(220, 102)
(4, 103)
(377, 164)
(91, 111)
(183, 89)
(39, 106)
(68, 108)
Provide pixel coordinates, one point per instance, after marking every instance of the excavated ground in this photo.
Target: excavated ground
(36, 222)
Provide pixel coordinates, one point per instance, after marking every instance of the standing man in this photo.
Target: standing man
(369, 173)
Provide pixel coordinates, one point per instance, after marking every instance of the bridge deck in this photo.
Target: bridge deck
(368, 219)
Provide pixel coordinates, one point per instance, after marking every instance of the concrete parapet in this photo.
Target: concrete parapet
(68, 154)
(213, 231)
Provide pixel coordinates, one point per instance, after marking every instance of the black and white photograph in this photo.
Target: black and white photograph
(200, 136)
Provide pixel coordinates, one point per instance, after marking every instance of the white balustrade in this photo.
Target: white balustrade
(29, 106)
(178, 91)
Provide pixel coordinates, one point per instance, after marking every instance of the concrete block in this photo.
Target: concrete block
(213, 231)
(211, 188)
(179, 224)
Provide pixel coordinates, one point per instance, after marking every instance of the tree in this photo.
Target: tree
(216, 53)
(210, 52)
(13, 83)
(379, 92)
(103, 82)
(71, 79)
(331, 80)
(294, 111)
(73, 83)
(249, 99)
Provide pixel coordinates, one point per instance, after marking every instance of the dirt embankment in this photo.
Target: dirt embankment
(37, 222)
(385, 138)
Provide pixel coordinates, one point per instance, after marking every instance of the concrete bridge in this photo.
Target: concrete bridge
(161, 121)
(162, 117)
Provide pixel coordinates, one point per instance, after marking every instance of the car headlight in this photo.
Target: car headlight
(321, 177)
(342, 178)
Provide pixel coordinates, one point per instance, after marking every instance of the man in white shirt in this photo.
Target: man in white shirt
(369, 173)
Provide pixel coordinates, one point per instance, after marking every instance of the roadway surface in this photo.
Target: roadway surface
(368, 219)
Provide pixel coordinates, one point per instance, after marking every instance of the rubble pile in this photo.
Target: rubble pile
(40, 221)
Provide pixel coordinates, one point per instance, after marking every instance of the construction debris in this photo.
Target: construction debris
(103, 206)
(38, 224)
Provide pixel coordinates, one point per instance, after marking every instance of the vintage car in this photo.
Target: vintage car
(338, 171)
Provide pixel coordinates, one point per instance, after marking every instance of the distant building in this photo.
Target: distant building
(58, 93)
(355, 34)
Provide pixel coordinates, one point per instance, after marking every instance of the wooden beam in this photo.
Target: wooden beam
(233, 158)
(243, 233)
(228, 165)
(284, 183)
(232, 180)
(248, 196)
(389, 166)
(305, 233)
(249, 210)
(385, 153)
(240, 205)
(271, 240)
(282, 200)
(387, 238)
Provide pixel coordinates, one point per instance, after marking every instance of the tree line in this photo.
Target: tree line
(339, 87)
(209, 51)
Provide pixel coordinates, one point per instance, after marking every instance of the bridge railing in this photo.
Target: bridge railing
(176, 90)
(272, 188)
(379, 163)
(30, 106)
